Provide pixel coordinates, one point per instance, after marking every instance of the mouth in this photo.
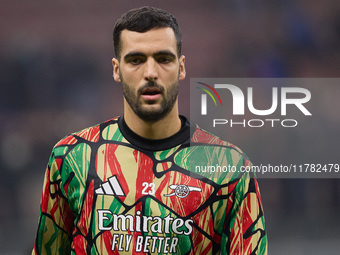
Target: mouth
(151, 94)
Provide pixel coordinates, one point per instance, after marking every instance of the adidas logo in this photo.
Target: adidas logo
(111, 187)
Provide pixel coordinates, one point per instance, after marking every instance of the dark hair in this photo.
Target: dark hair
(142, 20)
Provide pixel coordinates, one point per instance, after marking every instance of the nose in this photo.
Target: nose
(150, 72)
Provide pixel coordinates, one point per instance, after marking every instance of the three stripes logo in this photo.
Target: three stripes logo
(204, 97)
(111, 187)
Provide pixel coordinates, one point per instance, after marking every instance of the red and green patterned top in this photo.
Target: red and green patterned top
(109, 191)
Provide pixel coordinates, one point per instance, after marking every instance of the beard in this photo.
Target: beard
(168, 100)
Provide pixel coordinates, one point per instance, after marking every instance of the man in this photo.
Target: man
(129, 185)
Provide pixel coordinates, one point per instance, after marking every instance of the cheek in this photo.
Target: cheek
(171, 75)
(131, 76)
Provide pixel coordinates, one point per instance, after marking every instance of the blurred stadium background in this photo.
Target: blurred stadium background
(56, 78)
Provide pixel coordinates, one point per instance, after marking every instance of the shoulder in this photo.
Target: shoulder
(89, 134)
(202, 136)
(205, 138)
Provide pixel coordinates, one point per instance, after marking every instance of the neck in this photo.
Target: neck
(153, 129)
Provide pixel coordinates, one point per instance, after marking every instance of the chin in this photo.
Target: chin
(152, 115)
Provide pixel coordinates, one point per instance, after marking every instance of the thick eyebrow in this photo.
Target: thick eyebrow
(156, 54)
(133, 54)
(164, 53)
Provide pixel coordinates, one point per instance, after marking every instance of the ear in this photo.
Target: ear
(115, 65)
(182, 72)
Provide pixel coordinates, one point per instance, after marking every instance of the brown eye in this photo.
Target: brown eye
(135, 61)
(164, 60)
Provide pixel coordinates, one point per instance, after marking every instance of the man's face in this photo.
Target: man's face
(149, 70)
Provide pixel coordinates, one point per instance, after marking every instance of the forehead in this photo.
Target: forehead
(149, 42)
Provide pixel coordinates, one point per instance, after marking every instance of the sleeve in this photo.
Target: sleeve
(55, 219)
(245, 233)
